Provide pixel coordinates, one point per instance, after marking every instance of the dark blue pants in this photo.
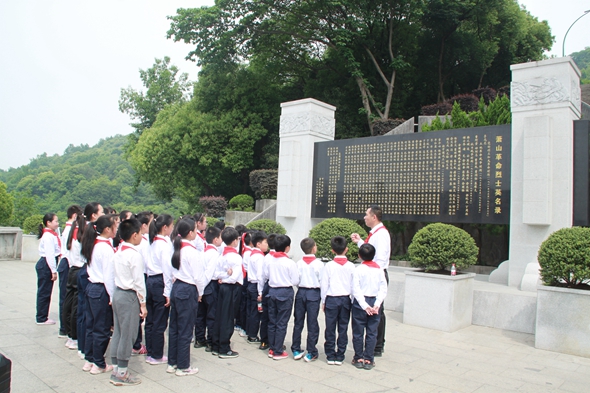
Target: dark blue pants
(137, 343)
(364, 331)
(98, 324)
(62, 273)
(280, 306)
(253, 324)
(157, 317)
(337, 316)
(307, 302)
(264, 315)
(82, 307)
(183, 310)
(242, 319)
(44, 289)
(228, 302)
(70, 309)
(206, 313)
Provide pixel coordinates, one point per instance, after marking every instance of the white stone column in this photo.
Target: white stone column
(545, 99)
(303, 122)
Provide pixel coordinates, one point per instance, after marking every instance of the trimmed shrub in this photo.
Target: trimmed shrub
(487, 93)
(242, 202)
(437, 246)
(565, 258)
(498, 112)
(31, 224)
(459, 117)
(443, 108)
(268, 226)
(504, 91)
(468, 102)
(382, 127)
(211, 221)
(264, 183)
(327, 229)
(215, 206)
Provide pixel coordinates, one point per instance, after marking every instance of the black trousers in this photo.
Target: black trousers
(337, 317)
(364, 330)
(62, 276)
(280, 305)
(206, 313)
(381, 329)
(70, 308)
(44, 288)
(98, 324)
(157, 318)
(228, 302)
(253, 324)
(82, 307)
(307, 302)
(264, 315)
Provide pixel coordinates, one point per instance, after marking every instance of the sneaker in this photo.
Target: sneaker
(73, 344)
(81, 355)
(369, 365)
(68, 342)
(254, 340)
(214, 352)
(171, 369)
(124, 380)
(141, 351)
(338, 362)
(378, 354)
(208, 348)
(236, 327)
(281, 356)
(264, 346)
(331, 362)
(200, 344)
(153, 361)
(62, 335)
(270, 353)
(87, 366)
(228, 355)
(310, 358)
(297, 355)
(358, 363)
(242, 333)
(95, 370)
(186, 371)
(48, 322)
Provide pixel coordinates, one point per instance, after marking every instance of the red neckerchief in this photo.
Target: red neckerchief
(160, 237)
(186, 244)
(68, 224)
(372, 233)
(280, 254)
(210, 247)
(371, 264)
(272, 253)
(246, 249)
(199, 234)
(97, 240)
(144, 237)
(309, 259)
(231, 250)
(47, 230)
(127, 248)
(341, 260)
(256, 251)
(75, 234)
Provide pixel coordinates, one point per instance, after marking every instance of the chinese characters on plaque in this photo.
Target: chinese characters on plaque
(441, 176)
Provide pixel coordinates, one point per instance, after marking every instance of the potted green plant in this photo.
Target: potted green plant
(434, 298)
(563, 301)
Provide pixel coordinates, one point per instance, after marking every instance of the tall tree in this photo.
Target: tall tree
(6, 205)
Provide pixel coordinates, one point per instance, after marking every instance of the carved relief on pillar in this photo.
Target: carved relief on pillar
(543, 91)
(305, 122)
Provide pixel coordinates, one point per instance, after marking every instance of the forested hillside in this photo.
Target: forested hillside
(82, 174)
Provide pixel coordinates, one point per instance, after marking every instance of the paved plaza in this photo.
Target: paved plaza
(475, 359)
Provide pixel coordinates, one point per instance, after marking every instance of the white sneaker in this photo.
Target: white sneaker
(68, 342)
(73, 344)
(81, 355)
(87, 366)
(97, 370)
(242, 333)
(186, 371)
(171, 369)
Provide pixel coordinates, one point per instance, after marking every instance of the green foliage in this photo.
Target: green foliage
(24, 207)
(582, 60)
(437, 246)
(268, 226)
(264, 183)
(214, 206)
(327, 229)
(565, 257)
(211, 221)
(31, 224)
(6, 206)
(459, 117)
(497, 112)
(242, 202)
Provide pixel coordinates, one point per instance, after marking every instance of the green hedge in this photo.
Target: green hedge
(268, 226)
(31, 224)
(438, 246)
(264, 183)
(242, 202)
(211, 221)
(327, 229)
(565, 257)
(214, 206)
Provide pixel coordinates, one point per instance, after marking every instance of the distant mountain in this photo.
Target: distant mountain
(84, 174)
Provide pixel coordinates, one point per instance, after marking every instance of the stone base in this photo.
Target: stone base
(30, 252)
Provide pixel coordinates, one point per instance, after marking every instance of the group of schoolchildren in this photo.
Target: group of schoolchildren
(201, 283)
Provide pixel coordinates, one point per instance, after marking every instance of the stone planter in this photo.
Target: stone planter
(438, 301)
(563, 320)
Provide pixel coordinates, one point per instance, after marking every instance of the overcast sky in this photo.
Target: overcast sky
(64, 63)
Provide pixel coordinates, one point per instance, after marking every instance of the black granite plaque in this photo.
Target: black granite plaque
(455, 176)
(581, 213)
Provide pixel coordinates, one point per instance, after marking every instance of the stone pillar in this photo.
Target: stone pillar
(545, 100)
(303, 122)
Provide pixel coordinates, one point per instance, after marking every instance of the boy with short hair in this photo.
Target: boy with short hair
(307, 301)
(263, 292)
(231, 276)
(369, 289)
(128, 301)
(336, 289)
(282, 276)
(208, 303)
(260, 246)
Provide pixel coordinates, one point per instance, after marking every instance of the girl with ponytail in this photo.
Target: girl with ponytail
(49, 252)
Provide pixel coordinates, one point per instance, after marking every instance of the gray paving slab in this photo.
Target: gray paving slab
(475, 359)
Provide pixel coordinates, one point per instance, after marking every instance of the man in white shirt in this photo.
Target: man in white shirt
(380, 239)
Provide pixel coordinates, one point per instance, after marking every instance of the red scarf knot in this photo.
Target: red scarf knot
(341, 260)
(309, 259)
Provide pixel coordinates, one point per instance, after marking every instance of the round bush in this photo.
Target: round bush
(327, 229)
(565, 258)
(268, 226)
(31, 224)
(437, 246)
(242, 202)
(211, 221)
